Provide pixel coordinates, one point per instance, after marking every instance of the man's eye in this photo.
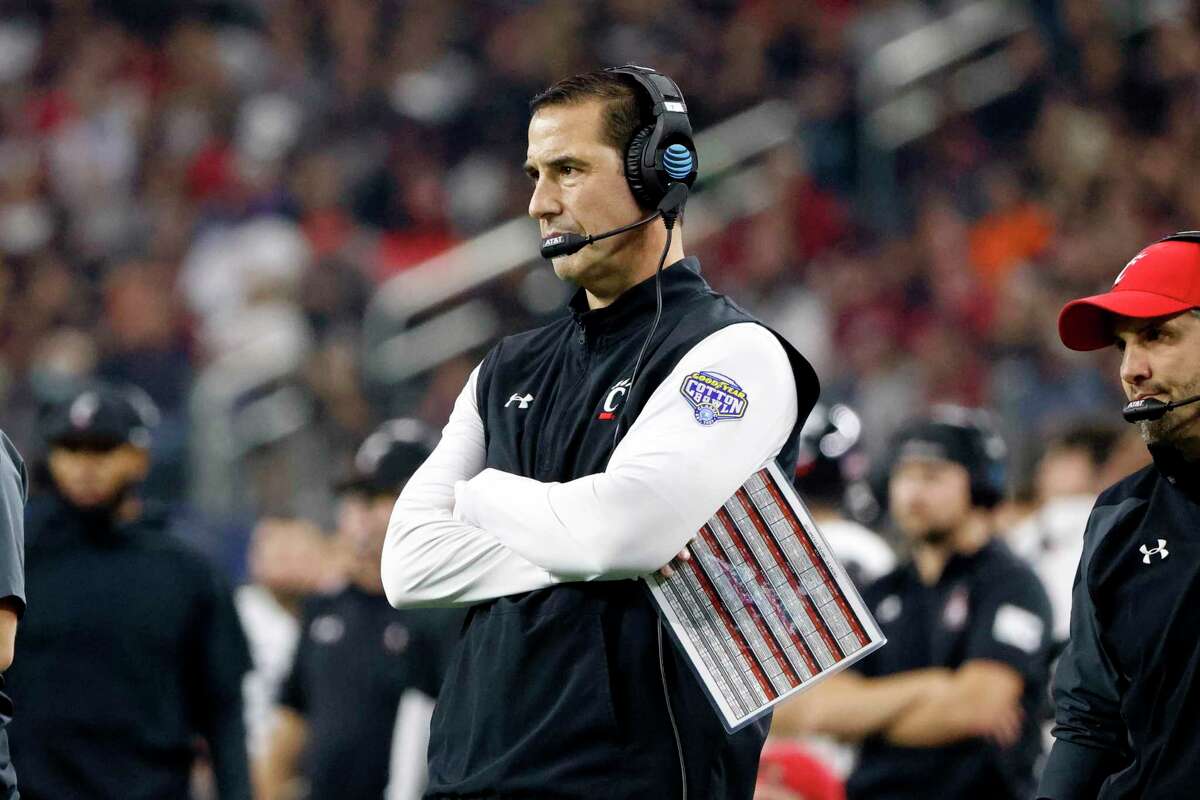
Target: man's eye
(1120, 345)
(567, 170)
(1153, 334)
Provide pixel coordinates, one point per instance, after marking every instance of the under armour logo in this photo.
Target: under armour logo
(523, 400)
(1133, 261)
(1161, 550)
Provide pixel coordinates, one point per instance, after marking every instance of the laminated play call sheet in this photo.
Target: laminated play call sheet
(763, 609)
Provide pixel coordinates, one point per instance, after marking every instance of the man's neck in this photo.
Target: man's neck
(931, 559)
(647, 265)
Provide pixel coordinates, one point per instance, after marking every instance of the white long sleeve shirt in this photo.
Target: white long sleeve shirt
(462, 534)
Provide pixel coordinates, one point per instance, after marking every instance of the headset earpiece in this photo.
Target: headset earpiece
(633, 169)
(661, 153)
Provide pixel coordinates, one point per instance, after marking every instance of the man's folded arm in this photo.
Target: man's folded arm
(665, 479)
(429, 557)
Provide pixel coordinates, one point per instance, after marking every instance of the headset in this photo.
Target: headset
(660, 159)
(661, 153)
(1182, 236)
(989, 477)
(985, 450)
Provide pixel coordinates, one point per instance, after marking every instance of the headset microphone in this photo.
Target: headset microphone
(564, 244)
(1151, 408)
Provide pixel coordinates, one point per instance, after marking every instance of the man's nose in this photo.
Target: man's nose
(1135, 365)
(544, 202)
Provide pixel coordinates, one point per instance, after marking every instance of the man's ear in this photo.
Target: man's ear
(137, 462)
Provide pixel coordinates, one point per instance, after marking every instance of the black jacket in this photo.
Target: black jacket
(130, 649)
(987, 605)
(559, 693)
(1127, 688)
(356, 658)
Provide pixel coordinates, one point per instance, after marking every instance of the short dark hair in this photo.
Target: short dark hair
(1095, 439)
(624, 114)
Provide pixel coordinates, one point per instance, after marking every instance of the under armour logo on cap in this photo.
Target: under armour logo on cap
(1132, 261)
(1160, 551)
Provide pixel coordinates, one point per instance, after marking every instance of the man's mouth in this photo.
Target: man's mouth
(559, 232)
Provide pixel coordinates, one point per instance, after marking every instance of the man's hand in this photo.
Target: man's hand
(1002, 724)
(667, 571)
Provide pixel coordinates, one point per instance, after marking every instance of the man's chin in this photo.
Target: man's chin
(567, 268)
(931, 536)
(1152, 432)
(1171, 429)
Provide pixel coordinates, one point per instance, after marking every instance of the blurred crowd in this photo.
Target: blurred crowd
(200, 198)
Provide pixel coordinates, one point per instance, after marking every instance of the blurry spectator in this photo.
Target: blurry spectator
(145, 344)
(355, 708)
(133, 649)
(1014, 230)
(289, 560)
(951, 702)
(1069, 476)
(789, 772)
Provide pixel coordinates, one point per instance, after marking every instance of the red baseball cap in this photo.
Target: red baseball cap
(790, 766)
(1161, 280)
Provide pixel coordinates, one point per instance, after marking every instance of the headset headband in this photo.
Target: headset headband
(1182, 236)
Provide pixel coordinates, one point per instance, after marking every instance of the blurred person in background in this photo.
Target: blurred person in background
(13, 487)
(289, 559)
(354, 712)
(536, 513)
(949, 707)
(1126, 689)
(1068, 477)
(133, 652)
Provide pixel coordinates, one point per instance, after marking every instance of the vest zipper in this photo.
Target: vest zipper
(662, 670)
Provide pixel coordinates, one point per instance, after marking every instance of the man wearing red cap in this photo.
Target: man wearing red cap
(1127, 689)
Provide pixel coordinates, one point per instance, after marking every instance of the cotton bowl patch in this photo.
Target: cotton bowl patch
(714, 397)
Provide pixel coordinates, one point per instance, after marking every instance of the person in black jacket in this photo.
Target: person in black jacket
(353, 717)
(952, 701)
(1127, 688)
(576, 460)
(13, 486)
(132, 651)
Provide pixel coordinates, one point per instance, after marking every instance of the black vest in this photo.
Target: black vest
(559, 692)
